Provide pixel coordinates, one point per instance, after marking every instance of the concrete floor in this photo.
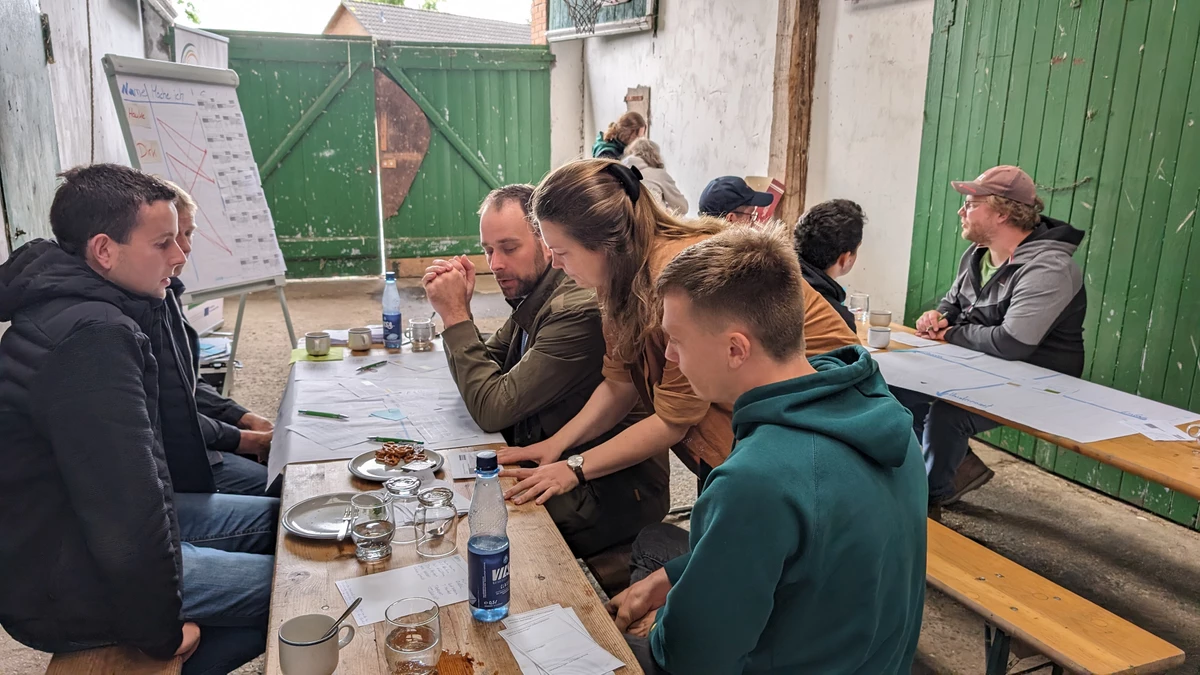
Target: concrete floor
(1133, 563)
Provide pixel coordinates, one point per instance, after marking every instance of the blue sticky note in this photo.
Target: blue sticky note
(393, 414)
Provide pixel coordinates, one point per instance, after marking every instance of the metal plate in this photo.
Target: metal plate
(318, 517)
(366, 467)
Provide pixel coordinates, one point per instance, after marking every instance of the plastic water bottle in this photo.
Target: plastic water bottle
(487, 549)
(393, 331)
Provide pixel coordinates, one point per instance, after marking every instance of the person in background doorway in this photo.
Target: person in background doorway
(827, 238)
(1018, 296)
(729, 197)
(534, 375)
(227, 430)
(611, 143)
(606, 234)
(81, 413)
(807, 547)
(646, 157)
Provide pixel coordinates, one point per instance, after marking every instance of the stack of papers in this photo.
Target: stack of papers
(342, 336)
(443, 581)
(213, 349)
(553, 641)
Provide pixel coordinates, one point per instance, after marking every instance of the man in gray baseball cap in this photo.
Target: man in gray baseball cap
(1018, 296)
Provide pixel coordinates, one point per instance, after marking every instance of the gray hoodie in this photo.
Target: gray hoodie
(660, 184)
(1031, 309)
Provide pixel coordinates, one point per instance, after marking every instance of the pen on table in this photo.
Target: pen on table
(371, 366)
(318, 413)
(385, 439)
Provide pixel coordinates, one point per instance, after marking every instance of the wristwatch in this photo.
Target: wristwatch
(576, 464)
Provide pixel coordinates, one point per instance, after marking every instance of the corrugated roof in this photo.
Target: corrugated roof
(390, 22)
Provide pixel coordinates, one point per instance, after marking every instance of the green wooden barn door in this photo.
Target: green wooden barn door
(1099, 101)
(309, 105)
(456, 122)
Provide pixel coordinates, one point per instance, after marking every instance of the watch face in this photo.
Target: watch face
(575, 461)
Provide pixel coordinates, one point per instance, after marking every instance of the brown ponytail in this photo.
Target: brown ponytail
(626, 128)
(592, 207)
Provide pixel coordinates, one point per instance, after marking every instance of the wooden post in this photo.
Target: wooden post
(791, 133)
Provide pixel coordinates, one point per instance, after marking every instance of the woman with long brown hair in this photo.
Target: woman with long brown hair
(605, 233)
(610, 143)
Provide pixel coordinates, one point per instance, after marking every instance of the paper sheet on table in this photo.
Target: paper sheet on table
(444, 581)
(527, 666)
(392, 414)
(1154, 430)
(449, 428)
(1035, 397)
(460, 464)
(558, 645)
(342, 336)
(912, 340)
(337, 434)
(335, 370)
(300, 354)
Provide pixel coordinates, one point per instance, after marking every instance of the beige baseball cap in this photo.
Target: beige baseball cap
(1005, 181)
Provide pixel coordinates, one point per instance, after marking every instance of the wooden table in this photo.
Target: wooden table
(1175, 465)
(544, 572)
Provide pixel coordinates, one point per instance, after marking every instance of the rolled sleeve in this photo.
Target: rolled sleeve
(614, 368)
(674, 401)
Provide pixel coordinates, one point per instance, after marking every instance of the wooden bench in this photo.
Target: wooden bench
(111, 661)
(1017, 604)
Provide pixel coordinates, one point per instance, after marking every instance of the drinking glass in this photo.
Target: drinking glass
(414, 640)
(859, 305)
(436, 520)
(371, 527)
(404, 491)
(421, 332)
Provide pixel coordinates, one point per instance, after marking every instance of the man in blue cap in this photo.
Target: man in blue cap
(729, 197)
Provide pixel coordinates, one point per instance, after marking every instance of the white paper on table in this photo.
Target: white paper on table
(460, 464)
(337, 434)
(527, 666)
(558, 646)
(912, 340)
(363, 389)
(336, 370)
(1157, 431)
(444, 581)
(870, 348)
(449, 428)
(955, 352)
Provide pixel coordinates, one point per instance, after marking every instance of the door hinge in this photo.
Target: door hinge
(47, 44)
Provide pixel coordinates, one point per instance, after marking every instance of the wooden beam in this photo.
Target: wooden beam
(306, 120)
(802, 68)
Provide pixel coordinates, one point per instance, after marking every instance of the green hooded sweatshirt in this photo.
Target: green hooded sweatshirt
(808, 543)
(607, 149)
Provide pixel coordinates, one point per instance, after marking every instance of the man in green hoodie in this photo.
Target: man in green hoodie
(807, 546)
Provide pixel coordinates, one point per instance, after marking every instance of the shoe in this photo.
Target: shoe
(972, 474)
(935, 512)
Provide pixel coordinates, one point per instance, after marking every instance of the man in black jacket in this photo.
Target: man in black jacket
(100, 549)
(211, 461)
(827, 238)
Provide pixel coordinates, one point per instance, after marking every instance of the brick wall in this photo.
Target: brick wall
(538, 22)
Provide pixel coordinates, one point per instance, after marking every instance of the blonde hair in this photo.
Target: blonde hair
(647, 150)
(183, 200)
(626, 128)
(1024, 216)
(592, 207)
(749, 275)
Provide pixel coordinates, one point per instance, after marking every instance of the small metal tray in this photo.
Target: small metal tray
(318, 517)
(366, 467)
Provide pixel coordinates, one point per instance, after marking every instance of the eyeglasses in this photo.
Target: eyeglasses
(970, 205)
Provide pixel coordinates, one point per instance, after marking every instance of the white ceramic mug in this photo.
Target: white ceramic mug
(879, 337)
(359, 339)
(317, 343)
(303, 652)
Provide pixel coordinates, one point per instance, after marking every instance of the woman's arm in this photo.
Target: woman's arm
(607, 406)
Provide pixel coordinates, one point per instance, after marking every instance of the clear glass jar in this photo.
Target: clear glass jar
(404, 491)
(437, 521)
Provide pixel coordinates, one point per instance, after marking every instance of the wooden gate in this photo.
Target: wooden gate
(1099, 101)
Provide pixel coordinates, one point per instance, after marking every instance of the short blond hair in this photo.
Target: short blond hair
(647, 150)
(748, 275)
(183, 200)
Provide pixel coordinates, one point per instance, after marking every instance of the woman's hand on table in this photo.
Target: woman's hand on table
(541, 483)
(539, 453)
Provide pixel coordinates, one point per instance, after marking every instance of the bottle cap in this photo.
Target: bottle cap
(390, 276)
(485, 461)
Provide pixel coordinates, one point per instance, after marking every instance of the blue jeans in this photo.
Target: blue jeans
(943, 429)
(228, 546)
(240, 476)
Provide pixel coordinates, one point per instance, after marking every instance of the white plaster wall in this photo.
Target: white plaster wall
(868, 103)
(566, 102)
(116, 28)
(709, 70)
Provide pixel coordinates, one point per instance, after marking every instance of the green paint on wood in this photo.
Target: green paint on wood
(1066, 463)
(1158, 499)
(1183, 509)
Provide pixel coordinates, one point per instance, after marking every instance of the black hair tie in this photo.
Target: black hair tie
(629, 177)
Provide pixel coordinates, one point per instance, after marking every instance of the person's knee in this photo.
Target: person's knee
(658, 543)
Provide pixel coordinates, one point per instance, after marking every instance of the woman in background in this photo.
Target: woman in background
(610, 143)
(645, 155)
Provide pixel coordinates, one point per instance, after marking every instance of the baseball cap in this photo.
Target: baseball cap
(1005, 181)
(727, 193)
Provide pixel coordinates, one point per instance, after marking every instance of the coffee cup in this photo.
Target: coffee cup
(359, 339)
(316, 344)
(879, 337)
(881, 318)
(302, 651)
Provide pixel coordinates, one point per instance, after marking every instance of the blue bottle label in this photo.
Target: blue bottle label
(391, 329)
(487, 576)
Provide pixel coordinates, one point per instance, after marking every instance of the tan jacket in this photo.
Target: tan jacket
(665, 390)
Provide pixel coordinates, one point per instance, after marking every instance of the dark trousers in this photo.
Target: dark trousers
(943, 429)
(656, 545)
(608, 511)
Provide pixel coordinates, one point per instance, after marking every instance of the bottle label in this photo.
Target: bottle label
(391, 327)
(488, 579)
